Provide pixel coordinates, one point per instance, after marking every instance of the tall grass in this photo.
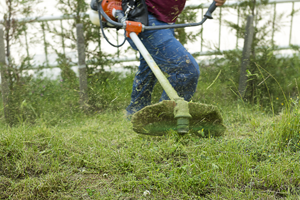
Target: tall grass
(288, 128)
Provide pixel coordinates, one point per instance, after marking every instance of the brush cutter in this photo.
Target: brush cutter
(175, 114)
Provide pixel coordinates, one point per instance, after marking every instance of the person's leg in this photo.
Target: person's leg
(181, 67)
(143, 84)
(172, 58)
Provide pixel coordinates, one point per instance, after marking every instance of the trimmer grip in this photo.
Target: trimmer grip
(210, 10)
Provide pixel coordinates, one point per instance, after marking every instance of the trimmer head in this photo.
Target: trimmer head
(158, 118)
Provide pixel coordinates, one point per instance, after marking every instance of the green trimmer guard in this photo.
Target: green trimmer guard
(158, 118)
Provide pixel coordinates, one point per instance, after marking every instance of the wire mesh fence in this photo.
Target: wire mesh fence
(42, 43)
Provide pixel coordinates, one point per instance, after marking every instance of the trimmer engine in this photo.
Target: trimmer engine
(110, 7)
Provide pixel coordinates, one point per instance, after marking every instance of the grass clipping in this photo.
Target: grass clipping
(159, 118)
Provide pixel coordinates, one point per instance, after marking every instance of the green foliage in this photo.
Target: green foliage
(270, 75)
(67, 74)
(187, 16)
(44, 99)
(14, 74)
(276, 78)
(288, 127)
(271, 79)
(91, 33)
(105, 89)
(109, 90)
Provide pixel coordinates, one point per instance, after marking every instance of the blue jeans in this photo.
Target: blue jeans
(172, 58)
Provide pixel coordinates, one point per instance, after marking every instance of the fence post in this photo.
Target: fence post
(82, 67)
(4, 81)
(246, 55)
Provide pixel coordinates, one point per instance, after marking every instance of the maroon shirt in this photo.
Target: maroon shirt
(165, 10)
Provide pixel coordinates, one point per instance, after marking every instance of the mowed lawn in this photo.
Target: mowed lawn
(100, 157)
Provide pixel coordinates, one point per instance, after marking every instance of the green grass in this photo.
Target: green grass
(55, 151)
(100, 157)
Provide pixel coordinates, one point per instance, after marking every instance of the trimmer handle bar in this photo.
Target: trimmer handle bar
(122, 25)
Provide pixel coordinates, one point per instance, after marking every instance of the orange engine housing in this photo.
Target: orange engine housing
(109, 5)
